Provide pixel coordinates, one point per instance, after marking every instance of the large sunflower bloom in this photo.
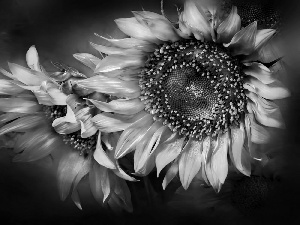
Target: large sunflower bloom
(201, 87)
(51, 118)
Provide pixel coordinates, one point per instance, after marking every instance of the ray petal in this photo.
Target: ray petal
(162, 29)
(272, 91)
(116, 51)
(87, 59)
(7, 117)
(132, 135)
(145, 162)
(132, 43)
(40, 144)
(190, 162)
(236, 151)
(68, 168)
(112, 86)
(43, 97)
(22, 124)
(266, 112)
(101, 157)
(229, 27)
(7, 87)
(32, 59)
(171, 173)
(260, 72)
(116, 62)
(95, 182)
(218, 163)
(121, 106)
(18, 105)
(195, 19)
(133, 28)
(243, 42)
(27, 76)
(107, 122)
(169, 150)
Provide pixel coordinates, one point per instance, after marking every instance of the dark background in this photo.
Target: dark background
(58, 29)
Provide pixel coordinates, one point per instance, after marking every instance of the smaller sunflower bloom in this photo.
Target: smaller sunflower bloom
(51, 116)
(202, 89)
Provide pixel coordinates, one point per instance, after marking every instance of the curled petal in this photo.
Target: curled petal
(120, 173)
(236, 152)
(18, 105)
(131, 43)
(121, 106)
(196, 20)
(43, 97)
(101, 157)
(112, 86)
(162, 29)
(69, 117)
(116, 51)
(266, 112)
(133, 28)
(66, 128)
(259, 134)
(243, 42)
(260, 72)
(87, 128)
(190, 162)
(27, 76)
(229, 27)
(32, 59)
(275, 90)
(171, 173)
(58, 97)
(7, 87)
(87, 59)
(168, 151)
(116, 62)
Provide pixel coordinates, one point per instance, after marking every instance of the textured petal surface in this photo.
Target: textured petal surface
(116, 62)
(121, 106)
(229, 27)
(169, 150)
(111, 86)
(190, 162)
(243, 42)
(275, 90)
(18, 105)
(22, 124)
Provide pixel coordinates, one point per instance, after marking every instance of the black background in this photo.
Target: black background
(58, 29)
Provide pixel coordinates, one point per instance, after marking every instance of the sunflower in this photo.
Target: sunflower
(47, 115)
(201, 86)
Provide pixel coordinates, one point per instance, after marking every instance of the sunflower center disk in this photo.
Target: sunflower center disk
(195, 88)
(85, 146)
